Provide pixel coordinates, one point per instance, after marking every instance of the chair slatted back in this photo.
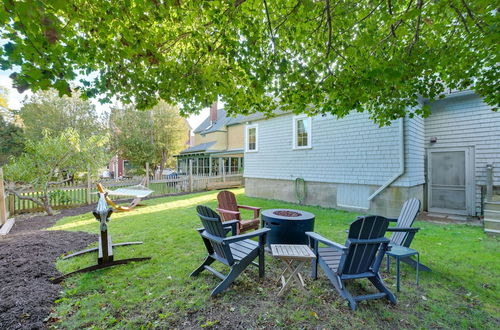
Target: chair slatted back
(227, 201)
(362, 254)
(408, 214)
(213, 225)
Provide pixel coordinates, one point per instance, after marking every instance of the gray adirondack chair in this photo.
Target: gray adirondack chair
(360, 257)
(403, 233)
(237, 251)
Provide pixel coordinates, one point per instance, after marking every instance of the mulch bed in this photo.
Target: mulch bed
(27, 263)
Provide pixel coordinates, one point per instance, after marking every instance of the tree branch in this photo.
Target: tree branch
(269, 24)
(329, 24)
(29, 198)
(469, 12)
(417, 28)
(462, 18)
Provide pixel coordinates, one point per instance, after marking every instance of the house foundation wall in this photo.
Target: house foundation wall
(388, 203)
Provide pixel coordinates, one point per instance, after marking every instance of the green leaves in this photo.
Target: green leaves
(313, 56)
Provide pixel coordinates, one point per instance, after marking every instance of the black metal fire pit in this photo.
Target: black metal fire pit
(287, 226)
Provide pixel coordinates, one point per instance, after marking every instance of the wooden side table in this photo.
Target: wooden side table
(400, 252)
(294, 257)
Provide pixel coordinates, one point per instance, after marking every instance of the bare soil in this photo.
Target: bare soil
(27, 263)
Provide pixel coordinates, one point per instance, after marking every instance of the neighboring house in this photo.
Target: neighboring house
(217, 145)
(352, 163)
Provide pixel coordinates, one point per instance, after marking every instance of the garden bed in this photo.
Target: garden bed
(27, 261)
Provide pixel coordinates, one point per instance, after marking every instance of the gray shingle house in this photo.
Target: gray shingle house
(353, 164)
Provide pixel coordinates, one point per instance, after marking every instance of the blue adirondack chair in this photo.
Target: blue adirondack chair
(237, 251)
(403, 233)
(360, 257)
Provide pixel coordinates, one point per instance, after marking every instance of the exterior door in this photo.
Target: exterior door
(451, 180)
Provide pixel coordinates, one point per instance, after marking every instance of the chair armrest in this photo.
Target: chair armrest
(369, 241)
(323, 240)
(256, 210)
(249, 207)
(228, 214)
(403, 229)
(243, 237)
(227, 211)
(211, 237)
(392, 219)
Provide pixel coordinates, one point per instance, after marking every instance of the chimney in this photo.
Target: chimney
(213, 112)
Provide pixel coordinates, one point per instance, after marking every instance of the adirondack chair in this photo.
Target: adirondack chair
(229, 210)
(403, 233)
(360, 257)
(237, 252)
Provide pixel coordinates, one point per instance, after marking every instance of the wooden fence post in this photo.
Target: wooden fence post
(3, 207)
(89, 186)
(190, 175)
(12, 204)
(489, 182)
(147, 174)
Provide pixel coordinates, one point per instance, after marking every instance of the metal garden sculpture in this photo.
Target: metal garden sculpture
(105, 258)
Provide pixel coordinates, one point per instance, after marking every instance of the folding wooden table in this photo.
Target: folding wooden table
(294, 257)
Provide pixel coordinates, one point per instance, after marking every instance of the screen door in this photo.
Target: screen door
(450, 181)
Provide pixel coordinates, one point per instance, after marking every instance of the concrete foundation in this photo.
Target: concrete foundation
(388, 203)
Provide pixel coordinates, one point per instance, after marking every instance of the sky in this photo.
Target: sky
(15, 100)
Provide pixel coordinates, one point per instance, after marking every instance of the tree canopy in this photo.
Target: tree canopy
(154, 136)
(323, 56)
(45, 111)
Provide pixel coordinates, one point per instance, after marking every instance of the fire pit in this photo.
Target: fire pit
(287, 226)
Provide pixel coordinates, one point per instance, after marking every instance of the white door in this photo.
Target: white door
(451, 180)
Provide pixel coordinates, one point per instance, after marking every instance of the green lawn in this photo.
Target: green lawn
(463, 291)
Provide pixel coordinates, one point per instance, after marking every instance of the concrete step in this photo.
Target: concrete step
(491, 225)
(492, 215)
(492, 206)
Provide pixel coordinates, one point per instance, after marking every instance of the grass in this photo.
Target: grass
(463, 291)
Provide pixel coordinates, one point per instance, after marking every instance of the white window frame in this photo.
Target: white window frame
(309, 136)
(247, 128)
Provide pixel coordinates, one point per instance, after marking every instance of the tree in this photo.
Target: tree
(11, 140)
(45, 162)
(46, 111)
(153, 136)
(321, 56)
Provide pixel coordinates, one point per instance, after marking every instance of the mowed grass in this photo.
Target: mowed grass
(463, 291)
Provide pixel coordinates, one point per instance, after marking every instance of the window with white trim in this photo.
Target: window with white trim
(251, 142)
(302, 135)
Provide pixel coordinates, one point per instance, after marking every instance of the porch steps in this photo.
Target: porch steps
(492, 215)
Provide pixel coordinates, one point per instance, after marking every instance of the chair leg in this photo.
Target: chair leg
(347, 295)
(233, 274)
(380, 285)
(262, 269)
(208, 261)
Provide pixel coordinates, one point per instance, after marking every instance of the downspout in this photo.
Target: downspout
(401, 169)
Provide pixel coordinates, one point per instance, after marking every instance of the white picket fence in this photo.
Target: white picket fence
(81, 193)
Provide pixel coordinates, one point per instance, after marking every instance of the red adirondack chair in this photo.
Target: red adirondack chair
(229, 210)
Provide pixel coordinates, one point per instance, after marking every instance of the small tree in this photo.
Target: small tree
(152, 136)
(45, 162)
(47, 111)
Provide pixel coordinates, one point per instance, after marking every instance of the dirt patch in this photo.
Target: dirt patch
(27, 257)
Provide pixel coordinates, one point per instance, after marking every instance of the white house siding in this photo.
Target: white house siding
(463, 121)
(351, 150)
